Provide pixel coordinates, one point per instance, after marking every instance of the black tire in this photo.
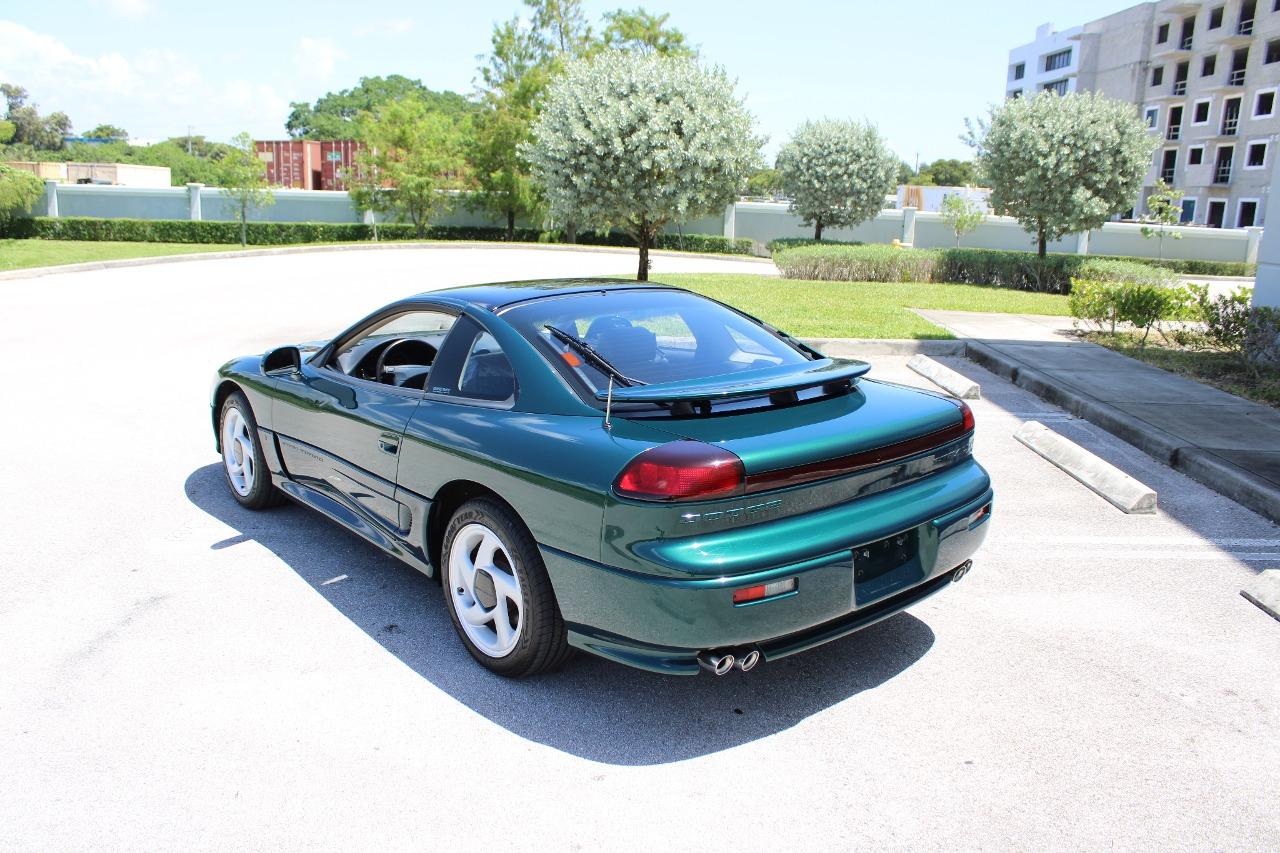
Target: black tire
(262, 494)
(542, 644)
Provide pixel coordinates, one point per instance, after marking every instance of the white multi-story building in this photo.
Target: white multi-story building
(1204, 76)
(1052, 61)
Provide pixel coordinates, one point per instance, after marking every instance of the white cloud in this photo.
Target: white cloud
(153, 94)
(316, 57)
(385, 27)
(126, 8)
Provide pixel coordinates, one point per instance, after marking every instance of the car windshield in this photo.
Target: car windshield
(650, 336)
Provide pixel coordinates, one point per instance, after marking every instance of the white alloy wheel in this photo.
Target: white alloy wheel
(238, 451)
(485, 590)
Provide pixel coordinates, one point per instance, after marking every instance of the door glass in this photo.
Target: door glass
(473, 365)
(398, 351)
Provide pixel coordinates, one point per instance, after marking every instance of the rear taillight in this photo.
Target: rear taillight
(966, 415)
(682, 471)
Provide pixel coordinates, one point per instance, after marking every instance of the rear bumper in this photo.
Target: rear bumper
(661, 623)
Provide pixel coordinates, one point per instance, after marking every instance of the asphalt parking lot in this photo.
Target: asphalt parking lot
(175, 672)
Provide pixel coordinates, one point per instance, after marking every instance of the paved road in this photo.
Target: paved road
(174, 672)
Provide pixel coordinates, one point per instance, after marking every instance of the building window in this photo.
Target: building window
(1215, 17)
(1168, 165)
(1162, 34)
(1217, 211)
(1264, 103)
(1273, 52)
(1222, 166)
(1019, 71)
(1054, 61)
(1200, 111)
(1157, 75)
(1247, 213)
(1059, 86)
(1016, 93)
(1209, 65)
(1256, 155)
(1188, 211)
(1195, 155)
(1153, 117)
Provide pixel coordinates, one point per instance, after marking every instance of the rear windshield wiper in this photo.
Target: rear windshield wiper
(592, 356)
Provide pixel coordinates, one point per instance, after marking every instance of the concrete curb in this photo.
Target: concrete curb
(39, 272)
(1116, 487)
(961, 387)
(1241, 486)
(863, 347)
(1264, 591)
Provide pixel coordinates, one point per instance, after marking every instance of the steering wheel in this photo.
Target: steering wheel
(427, 354)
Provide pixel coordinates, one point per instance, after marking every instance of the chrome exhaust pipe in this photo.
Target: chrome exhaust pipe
(961, 570)
(719, 664)
(748, 661)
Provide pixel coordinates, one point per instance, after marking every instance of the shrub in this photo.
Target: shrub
(1095, 302)
(290, 233)
(1134, 272)
(1262, 338)
(1226, 318)
(857, 263)
(783, 243)
(1192, 267)
(1144, 305)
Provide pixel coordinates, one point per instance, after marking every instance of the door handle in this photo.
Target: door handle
(389, 443)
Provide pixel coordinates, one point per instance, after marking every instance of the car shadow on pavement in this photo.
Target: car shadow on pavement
(591, 708)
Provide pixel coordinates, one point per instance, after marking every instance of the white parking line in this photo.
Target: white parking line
(1148, 541)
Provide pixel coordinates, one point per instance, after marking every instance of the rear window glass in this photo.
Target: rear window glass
(651, 336)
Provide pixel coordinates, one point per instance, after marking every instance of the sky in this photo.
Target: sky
(156, 67)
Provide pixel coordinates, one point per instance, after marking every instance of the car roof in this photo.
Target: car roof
(505, 293)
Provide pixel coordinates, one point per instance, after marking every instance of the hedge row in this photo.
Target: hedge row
(1015, 270)
(290, 233)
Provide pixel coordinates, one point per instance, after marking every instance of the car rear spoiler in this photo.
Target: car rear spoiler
(748, 383)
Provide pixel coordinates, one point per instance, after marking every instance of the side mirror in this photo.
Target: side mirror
(282, 358)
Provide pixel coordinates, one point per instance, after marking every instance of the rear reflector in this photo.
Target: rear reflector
(975, 517)
(765, 590)
(682, 471)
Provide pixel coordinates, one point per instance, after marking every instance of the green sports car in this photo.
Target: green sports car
(630, 469)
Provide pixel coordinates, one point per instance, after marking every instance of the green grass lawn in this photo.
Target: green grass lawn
(842, 309)
(21, 254)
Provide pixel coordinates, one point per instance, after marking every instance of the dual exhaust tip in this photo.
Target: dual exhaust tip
(721, 663)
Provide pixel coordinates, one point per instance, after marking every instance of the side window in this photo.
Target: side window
(397, 351)
(473, 366)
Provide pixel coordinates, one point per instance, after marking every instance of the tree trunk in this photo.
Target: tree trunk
(1041, 243)
(419, 226)
(375, 228)
(817, 229)
(642, 274)
(244, 224)
(511, 225)
(571, 232)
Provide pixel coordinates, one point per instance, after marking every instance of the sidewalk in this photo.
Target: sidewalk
(1225, 442)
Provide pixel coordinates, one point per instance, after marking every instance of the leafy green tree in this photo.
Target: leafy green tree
(335, 115)
(644, 32)
(416, 150)
(636, 141)
(19, 190)
(561, 26)
(905, 172)
(243, 178)
(7, 130)
(837, 173)
(949, 172)
(961, 214)
(765, 183)
(1062, 164)
(30, 128)
(1164, 209)
(515, 76)
(107, 131)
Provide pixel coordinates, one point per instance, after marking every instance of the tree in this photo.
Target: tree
(243, 178)
(764, 183)
(415, 150)
(19, 190)
(335, 115)
(837, 173)
(636, 141)
(107, 131)
(962, 214)
(1062, 164)
(1164, 209)
(7, 130)
(951, 173)
(30, 128)
(905, 172)
(561, 26)
(644, 32)
(514, 78)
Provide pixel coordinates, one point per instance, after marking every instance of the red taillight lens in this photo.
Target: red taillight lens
(682, 471)
(966, 415)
